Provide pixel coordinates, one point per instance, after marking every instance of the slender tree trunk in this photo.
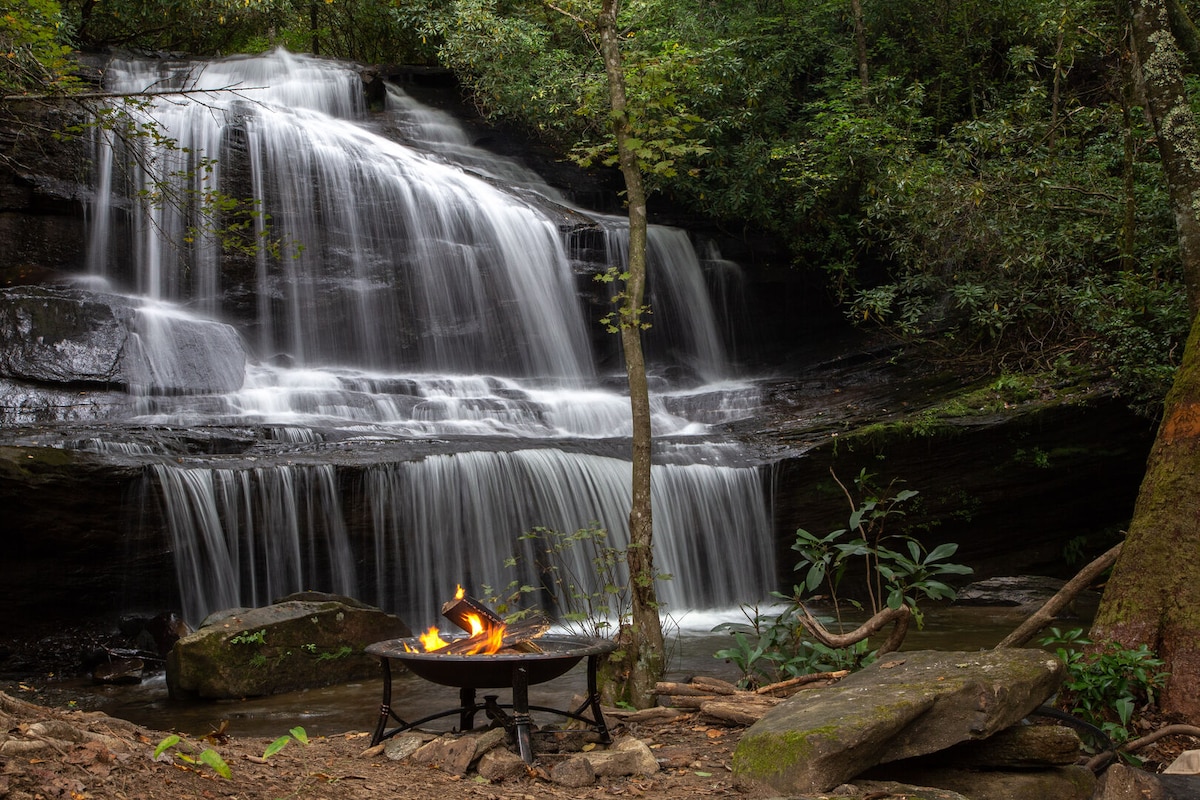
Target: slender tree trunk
(644, 638)
(1153, 596)
(860, 43)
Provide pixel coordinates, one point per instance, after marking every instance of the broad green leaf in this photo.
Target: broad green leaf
(275, 746)
(166, 744)
(214, 760)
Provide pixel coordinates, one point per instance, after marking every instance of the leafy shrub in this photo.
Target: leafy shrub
(1106, 686)
(772, 647)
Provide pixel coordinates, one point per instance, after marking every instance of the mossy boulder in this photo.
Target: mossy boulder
(905, 705)
(290, 645)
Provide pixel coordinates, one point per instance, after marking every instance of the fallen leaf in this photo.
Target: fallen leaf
(704, 774)
(714, 733)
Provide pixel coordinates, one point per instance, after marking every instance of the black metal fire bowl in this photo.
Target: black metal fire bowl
(493, 671)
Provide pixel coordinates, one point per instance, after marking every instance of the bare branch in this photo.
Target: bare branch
(1046, 614)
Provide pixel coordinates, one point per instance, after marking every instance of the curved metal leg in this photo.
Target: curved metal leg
(385, 707)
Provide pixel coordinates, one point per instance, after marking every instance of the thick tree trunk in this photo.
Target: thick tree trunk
(1163, 67)
(1153, 596)
(644, 646)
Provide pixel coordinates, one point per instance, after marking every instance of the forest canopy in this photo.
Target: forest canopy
(977, 176)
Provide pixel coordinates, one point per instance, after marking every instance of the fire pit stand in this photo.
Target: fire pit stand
(517, 671)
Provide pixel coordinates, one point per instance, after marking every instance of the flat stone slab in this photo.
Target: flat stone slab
(905, 705)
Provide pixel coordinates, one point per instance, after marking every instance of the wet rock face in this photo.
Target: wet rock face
(64, 336)
(43, 192)
(55, 341)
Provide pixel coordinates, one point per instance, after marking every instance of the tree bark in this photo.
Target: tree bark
(644, 644)
(860, 43)
(1153, 596)
(1162, 68)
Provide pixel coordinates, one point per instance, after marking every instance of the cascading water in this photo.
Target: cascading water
(418, 360)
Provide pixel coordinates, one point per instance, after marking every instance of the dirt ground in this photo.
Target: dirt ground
(56, 753)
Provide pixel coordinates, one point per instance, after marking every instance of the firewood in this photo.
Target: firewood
(516, 634)
(735, 711)
(690, 689)
(460, 607)
(715, 685)
(802, 680)
(686, 700)
(463, 605)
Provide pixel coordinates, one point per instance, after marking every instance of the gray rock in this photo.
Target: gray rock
(894, 789)
(1051, 783)
(906, 705)
(76, 337)
(500, 764)
(627, 756)
(448, 753)
(279, 648)
(1121, 782)
(574, 772)
(1018, 747)
(53, 335)
(404, 745)
(1009, 590)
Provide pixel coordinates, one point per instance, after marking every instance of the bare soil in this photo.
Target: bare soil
(55, 753)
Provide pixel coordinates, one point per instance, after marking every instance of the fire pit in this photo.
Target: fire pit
(516, 670)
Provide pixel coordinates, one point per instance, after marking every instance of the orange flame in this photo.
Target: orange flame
(431, 641)
(483, 639)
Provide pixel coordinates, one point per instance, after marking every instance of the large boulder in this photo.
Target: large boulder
(290, 645)
(53, 337)
(907, 705)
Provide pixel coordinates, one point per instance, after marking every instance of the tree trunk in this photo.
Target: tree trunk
(860, 43)
(1153, 596)
(643, 645)
(1162, 66)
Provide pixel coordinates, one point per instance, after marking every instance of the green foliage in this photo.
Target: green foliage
(1106, 686)
(772, 646)
(246, 637)
(34, 47)
(582, 581)
(298, 734)
(178, 750)
(776, 646)
(174, 748)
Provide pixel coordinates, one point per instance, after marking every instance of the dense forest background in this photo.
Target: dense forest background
(979, 177)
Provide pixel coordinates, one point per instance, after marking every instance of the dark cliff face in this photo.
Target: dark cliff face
(43, 186)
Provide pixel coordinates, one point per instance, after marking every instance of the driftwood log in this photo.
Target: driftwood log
(726, 703)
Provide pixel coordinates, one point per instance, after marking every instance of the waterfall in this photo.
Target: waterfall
(409, 336)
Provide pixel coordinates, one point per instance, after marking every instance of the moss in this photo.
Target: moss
(773, 753)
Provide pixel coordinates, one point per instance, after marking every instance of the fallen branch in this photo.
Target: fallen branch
(1099, 760)
(1047, 613)
(801, 680)
(898, 617)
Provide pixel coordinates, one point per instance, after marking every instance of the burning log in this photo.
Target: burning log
(480, 621)
(494, 640)
(462, 607)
